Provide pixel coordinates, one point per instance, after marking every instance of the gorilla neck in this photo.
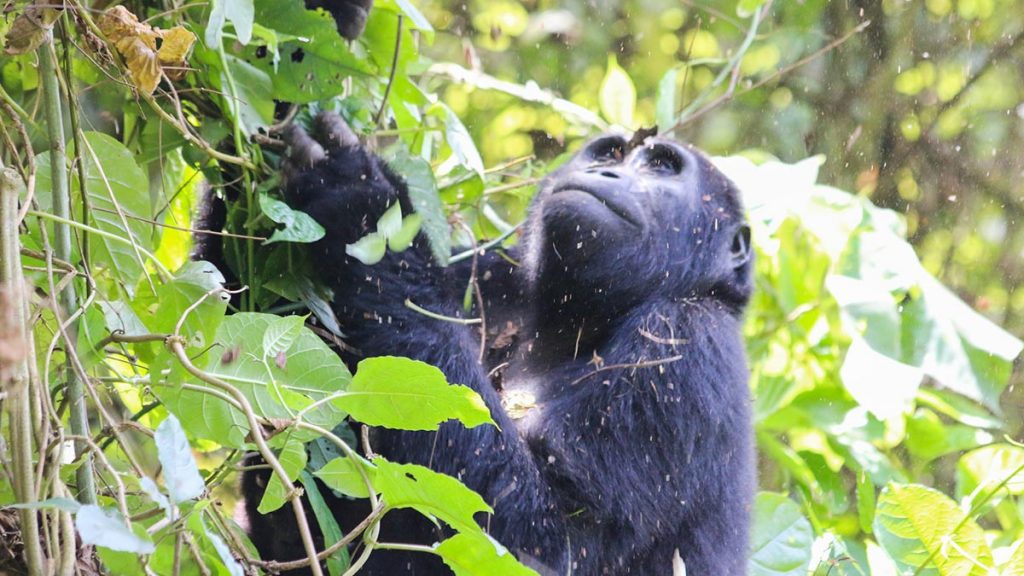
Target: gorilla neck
(574, 313)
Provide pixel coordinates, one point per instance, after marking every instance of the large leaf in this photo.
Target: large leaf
(278, 387)
(298, 226)
(314, 60)
(339, 561)
(425, 201)
(431, 493)
(252, 103)
(341, 474)
(918, 525)
(106, 527)
(991, 466)
(238, 12)
(476, 554)
(181, 475)
(162, 312)
(781, 537)
(293, 459)
(409, 395)
(119, 204)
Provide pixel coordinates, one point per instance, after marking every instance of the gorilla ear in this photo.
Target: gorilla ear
(740, 251)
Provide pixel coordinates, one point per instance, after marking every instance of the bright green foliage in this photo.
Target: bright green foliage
(293, 460)
(874, 384)
(409, 395)
(436, 495)
(341, 474)
(918, 526)
(472, 554)
(781, 540)
(393, 232)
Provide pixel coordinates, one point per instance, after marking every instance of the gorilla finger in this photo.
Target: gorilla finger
(332, 131)
(303, 151)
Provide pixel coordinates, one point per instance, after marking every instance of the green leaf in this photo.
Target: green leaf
(106, 527)
(315, 61)
(884, 386)
(1014, 565)
(338, 562)
(403, 238)
(781, 537)
(916, 524)
(617, 95)
(118, 316)
(431, 493)
(253, 108)
(65, 504)
(115, 186)
(477, 554)
(416, 19)
(425, 201)
(988, 467)
(239, 12)
(391, 221)
(928, 436)
(293, 459)
(161, 312)
(459, 140)
(153, 491)
(865, 501)
(223, 552)
(409, 395)
(665, 109)
(298, 226)
(181, 475)
(746, 8)
(369, 249)
(281, 334)
(342, 475)
(313, 372)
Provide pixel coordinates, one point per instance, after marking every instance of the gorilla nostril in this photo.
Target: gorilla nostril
(609, 174)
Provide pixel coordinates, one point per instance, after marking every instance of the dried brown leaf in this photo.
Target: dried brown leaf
(137, 43)
(31, 27)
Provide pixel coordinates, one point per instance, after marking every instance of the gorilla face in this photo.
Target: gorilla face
(625, 222)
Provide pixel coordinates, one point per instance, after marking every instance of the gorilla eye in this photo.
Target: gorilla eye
(664, 160)
(611, 149)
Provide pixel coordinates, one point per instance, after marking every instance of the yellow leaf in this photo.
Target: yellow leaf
(136, 42)
(142, 63)
(176, 44)
(29, 29)
(118, 24)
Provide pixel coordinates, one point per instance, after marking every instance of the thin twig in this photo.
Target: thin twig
(641, 364)
(465, 321)
(394, 70)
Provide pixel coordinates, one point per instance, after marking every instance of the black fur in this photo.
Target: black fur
(624, 323)
(349, 15)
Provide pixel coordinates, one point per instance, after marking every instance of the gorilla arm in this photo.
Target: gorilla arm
(346, 188)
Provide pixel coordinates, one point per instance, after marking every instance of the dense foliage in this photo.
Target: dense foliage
(133, 383)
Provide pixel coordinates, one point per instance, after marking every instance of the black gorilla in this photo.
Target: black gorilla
(632, 441)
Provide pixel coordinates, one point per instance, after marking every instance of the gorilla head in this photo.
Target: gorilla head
(615, 226)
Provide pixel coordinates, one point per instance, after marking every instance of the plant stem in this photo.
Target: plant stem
(62, 239)
(20, 392)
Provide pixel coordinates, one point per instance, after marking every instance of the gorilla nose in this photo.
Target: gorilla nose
(605, 173)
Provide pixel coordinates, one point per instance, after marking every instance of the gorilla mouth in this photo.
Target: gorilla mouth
(610, 205)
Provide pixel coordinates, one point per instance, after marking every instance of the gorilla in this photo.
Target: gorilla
(614, 364)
